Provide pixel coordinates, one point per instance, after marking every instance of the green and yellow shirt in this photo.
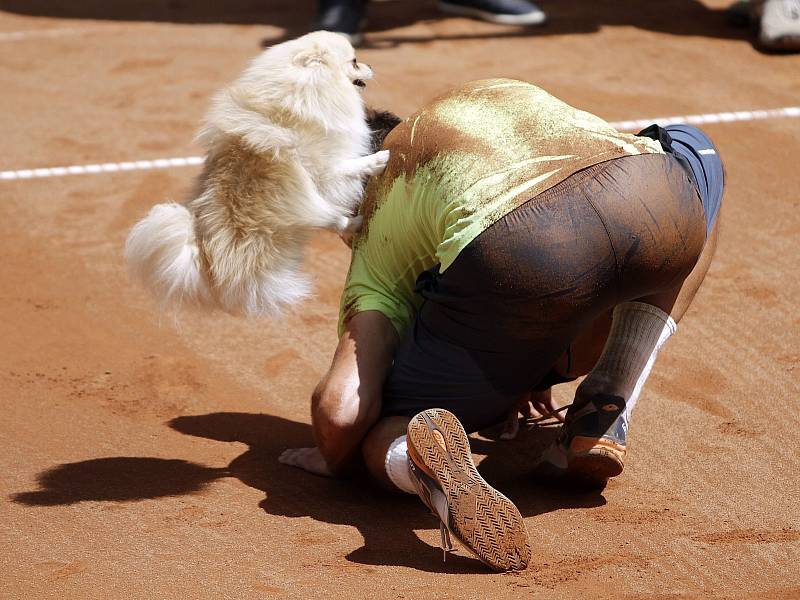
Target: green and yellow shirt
(457, 166)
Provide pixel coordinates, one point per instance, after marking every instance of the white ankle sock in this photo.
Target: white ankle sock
(638, 331)
(397, 468)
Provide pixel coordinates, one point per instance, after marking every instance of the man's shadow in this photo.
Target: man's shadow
(386, 521)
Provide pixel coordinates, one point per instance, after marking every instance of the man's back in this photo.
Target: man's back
(458, 165)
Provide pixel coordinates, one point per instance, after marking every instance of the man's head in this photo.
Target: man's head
(381, 122)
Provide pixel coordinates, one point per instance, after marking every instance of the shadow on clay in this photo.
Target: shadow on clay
(565, 17)
(676, 17)
(118, 479)
(290, 492)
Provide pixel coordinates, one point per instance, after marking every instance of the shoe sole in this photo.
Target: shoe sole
(597, 464)
(481, 518)
(592, 464)
(534, 18)
(601, 457)
(788, 43)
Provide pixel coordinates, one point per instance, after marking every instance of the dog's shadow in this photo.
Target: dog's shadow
(386, 521)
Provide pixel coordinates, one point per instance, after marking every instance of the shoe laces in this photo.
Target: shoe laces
(545, 420)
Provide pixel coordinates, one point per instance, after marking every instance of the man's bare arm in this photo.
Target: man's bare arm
(347, 402)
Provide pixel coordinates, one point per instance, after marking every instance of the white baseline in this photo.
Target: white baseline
(15, 36)
(187, 161)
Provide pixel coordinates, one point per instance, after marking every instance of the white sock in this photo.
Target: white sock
(397, 468)
(638, 331)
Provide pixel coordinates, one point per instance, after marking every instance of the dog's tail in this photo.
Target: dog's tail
(162, 253)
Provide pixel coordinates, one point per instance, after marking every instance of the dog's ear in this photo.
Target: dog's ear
(310, 57)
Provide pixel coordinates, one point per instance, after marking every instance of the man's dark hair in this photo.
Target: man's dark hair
(381, 122)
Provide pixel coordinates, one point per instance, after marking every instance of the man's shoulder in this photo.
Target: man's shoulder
(490, 86)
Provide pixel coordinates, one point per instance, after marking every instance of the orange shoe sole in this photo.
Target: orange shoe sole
(595, 459)
(481, 518)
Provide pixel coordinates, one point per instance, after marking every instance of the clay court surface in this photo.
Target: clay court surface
(138, 456)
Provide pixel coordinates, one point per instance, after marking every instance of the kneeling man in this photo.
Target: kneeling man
(512, 243)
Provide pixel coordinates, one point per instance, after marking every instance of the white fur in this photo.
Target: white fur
(287, 151)
(162, 251)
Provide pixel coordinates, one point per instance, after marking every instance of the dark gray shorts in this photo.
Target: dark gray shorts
(698, 154)
(494, 323)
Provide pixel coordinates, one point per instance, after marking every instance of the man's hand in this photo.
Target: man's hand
(543, 405)
(308, 459)
(535, 404)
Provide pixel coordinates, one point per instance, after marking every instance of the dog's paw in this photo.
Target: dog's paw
(354, 224)
(376, 162)
(351, 226)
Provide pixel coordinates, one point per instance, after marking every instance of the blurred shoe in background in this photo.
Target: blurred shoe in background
(740, 13)
(780, 25)
(777, 21)
(342, 16)
(348, 17)
(505, 12)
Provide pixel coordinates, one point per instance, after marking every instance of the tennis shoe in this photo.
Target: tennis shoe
(590, 447)
(505, 12)
(473, 512)
(780, 25)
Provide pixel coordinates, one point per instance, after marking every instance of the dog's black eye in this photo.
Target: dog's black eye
(355, 63)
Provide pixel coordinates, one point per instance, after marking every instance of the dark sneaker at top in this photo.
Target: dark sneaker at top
(346, 17)
(505, 12)
(741, 13)
(779, 28)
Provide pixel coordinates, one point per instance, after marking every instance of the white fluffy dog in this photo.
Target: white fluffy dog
(287, 150)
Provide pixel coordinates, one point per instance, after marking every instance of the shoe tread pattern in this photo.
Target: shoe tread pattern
(481, 518)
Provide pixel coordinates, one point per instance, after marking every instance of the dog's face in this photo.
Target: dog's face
(329, 56)
(314, 77)
(359, 73)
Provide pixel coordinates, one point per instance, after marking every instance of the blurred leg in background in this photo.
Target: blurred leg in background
(342, 16)
(349, 16)
(778, 21)
(505, 12)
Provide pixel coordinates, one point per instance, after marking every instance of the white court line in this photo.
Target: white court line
(165, 163)
(137, 165)
(15, 36)
(724, 117)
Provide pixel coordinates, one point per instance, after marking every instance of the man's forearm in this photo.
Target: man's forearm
(341, 417)
(340, 446)
(347, 402)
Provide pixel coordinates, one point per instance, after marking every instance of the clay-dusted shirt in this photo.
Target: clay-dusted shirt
(458, 165)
